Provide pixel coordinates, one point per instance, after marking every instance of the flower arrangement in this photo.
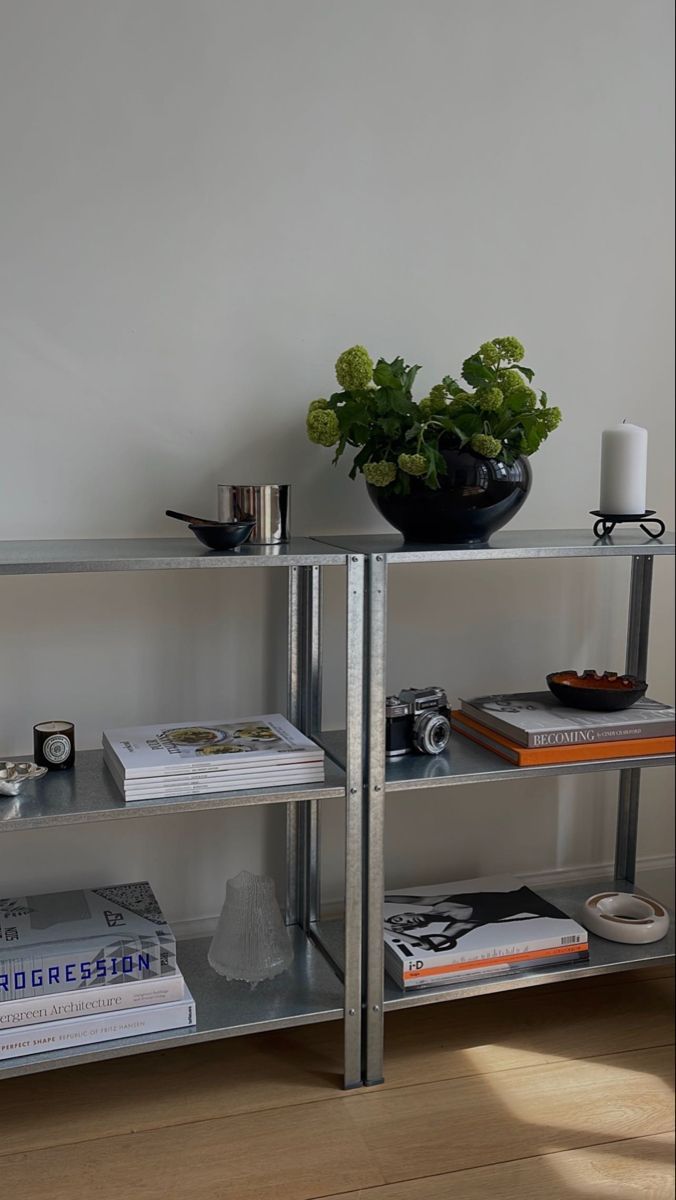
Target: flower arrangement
(493, 412)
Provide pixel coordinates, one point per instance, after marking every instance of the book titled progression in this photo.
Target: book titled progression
(74, 941)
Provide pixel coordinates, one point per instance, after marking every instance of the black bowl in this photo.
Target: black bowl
(224, 536)
(598, 693)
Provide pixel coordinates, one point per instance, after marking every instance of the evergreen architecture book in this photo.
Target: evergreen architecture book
(102, 1027)
(538, 720)
(88, 1002)
(70, 941)
(193, 758)
(449, 932)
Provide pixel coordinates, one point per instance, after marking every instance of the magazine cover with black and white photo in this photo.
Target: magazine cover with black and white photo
(450, 931)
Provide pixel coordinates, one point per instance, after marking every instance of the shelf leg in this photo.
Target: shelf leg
(311, 725)
(636, 663)
(354, 830)
(292, 907)
(375, 848)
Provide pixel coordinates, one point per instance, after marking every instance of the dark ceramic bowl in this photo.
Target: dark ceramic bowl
(224, 536)
(600, 693)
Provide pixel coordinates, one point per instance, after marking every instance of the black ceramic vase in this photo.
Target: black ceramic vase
(476, 497)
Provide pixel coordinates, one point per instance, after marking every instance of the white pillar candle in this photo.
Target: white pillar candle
(624, 465)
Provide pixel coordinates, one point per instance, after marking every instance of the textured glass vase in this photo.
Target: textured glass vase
(251, 942)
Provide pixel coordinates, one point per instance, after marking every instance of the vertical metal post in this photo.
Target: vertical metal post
(636, 663)
(292, 908)
(311, 724)
(375, 847)
(354, 828)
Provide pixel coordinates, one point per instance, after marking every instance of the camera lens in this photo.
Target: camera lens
(431, 732)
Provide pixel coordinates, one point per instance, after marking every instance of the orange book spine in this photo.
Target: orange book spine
(589, 752)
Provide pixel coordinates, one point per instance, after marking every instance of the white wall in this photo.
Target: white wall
(203, 202)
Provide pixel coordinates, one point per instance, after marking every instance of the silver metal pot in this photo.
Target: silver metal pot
(267, 503)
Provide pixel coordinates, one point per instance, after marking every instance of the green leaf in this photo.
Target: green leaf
(544, 399)
(467, 424)
(475, 373)
(452, 386)
(383, 374)
(524, 370)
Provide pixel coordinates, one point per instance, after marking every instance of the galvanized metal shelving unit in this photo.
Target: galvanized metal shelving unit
(466, 763)
(323, 983)
(338, 967)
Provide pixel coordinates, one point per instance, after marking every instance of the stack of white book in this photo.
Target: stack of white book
(87, 966)
(153, 761)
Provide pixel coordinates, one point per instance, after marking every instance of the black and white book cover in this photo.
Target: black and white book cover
(441, 932)
(538, 719)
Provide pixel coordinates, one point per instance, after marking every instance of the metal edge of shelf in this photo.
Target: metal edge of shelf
(354, 544)
(12, 820)
(289, 1008)
(328, 935)
(584, 970)
(308, 553)
(494, 770)
(508, 773)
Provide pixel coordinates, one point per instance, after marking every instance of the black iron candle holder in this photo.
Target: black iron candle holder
(607, 522)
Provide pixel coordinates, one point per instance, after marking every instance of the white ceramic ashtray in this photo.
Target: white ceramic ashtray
(14, 775)
(625, 917)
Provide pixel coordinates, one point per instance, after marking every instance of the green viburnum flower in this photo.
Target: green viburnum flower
(354, 368)
(379, 473)
(438, 393)
(489, 399)
(435, 403)
(510, 380)
(322, 427)
(315, 404)
(413, 464)
(551, 418)
(489, 353)
(486, 445)
(510, 348)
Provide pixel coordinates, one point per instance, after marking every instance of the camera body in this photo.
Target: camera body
(416, 721)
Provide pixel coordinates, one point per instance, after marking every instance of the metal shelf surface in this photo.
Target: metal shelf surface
(158, 554)
(604, 956)
(524, 543)
(465, 762)
(88, 792)
(307, 993)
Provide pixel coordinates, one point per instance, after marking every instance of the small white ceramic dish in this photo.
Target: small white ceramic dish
(625, 917)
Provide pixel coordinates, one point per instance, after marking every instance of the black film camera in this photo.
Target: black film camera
(417, 720)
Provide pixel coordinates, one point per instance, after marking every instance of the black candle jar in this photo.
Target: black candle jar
(54, 745)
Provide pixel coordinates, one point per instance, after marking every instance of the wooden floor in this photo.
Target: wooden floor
(534, 1095)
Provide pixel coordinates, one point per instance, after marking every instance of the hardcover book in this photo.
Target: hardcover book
(85, 1031)
(65, 941)
(194, 748)
(538, 720)
(455, 931)
(88, 1002)
(523, 756)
